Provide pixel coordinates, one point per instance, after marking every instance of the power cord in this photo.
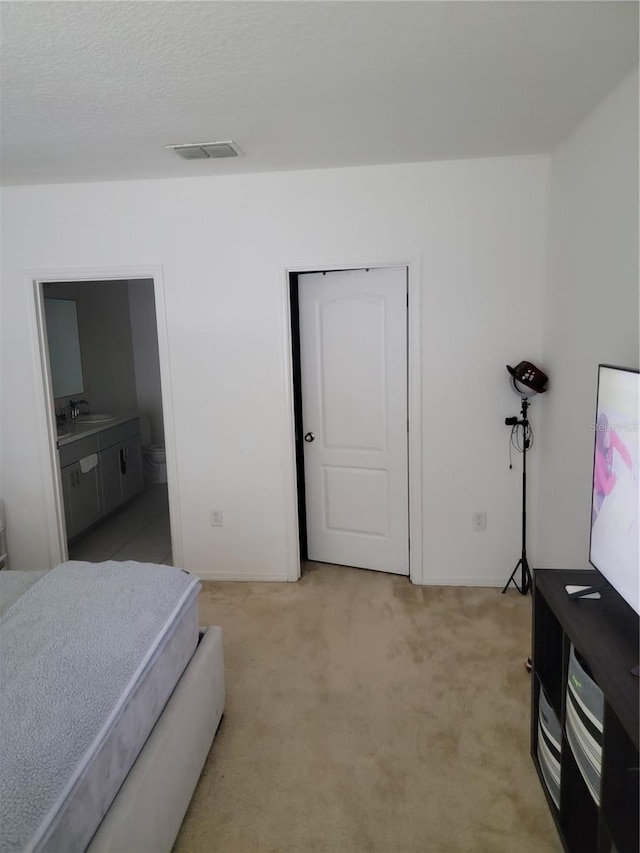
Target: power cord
(521, 436)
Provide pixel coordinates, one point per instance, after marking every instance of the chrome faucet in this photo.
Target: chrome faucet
(74, 408)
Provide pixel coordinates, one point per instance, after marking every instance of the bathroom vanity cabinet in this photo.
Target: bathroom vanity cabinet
(80, 489)
(120, 458)
(81, 493)
(115, 478)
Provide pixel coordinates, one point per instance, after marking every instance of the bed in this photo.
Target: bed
(111, 698)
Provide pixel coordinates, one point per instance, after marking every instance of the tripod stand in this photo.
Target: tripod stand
(525, 577)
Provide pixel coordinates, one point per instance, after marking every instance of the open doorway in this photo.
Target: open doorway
(102, 382)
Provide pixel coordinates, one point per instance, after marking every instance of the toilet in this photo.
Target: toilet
(154, 459)
(154, 463)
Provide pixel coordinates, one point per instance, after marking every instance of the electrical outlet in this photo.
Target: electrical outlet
(479, 521)
(215, 517)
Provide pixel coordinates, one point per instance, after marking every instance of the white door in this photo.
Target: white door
(353, 350)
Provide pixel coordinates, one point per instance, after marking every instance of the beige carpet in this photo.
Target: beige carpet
(367, 714)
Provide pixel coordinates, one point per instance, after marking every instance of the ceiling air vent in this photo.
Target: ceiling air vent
(205, 150)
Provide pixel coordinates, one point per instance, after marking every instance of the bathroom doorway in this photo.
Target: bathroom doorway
(105, 389)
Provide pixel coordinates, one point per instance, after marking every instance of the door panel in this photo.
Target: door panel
(353, 373)
(353, 351)
(344, 508)
(87, 506)
(132, 477)
(82, 500)
(110, 478)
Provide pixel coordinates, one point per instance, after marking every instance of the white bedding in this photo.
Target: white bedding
(14, 584)
(59, 783)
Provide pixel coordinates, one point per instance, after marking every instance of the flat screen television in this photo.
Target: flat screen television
(613, 543)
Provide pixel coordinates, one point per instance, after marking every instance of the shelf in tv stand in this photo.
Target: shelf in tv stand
(605, 634)
(607, 628)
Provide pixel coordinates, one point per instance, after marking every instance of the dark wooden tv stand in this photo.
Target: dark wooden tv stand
(606, 634)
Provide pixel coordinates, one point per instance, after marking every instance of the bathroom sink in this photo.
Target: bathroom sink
(94, 419)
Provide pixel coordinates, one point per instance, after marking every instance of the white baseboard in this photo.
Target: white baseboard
(447, 580)
(280, 577)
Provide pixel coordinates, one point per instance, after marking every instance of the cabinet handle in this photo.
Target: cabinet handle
(123, 460)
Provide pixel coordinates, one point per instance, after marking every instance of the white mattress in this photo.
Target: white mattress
(75, 823)
(13, 584)
(109, 767)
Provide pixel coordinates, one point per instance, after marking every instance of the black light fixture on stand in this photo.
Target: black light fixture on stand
(526, 380)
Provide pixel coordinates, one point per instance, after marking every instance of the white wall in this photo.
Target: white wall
(104, 310)
(146, 358)
(591, 308)
(474, 232)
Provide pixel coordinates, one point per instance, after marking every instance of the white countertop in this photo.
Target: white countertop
(82, 430)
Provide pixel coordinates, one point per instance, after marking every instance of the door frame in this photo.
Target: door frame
(414, 404)
(45, 415)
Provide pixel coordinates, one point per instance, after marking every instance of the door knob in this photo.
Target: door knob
(309, 437)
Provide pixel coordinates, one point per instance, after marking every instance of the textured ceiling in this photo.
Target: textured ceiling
(94, 90)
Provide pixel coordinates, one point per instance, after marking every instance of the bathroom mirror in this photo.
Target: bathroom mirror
(64, 347)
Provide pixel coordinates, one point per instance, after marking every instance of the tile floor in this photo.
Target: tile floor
(140, 531)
